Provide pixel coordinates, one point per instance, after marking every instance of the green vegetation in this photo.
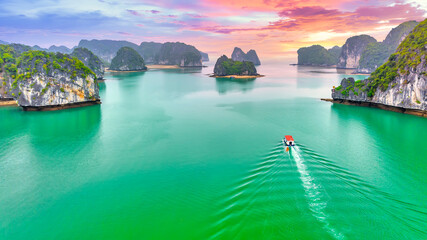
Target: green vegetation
(225, 66)
(316, 55)
(407, 57)
(236, 67)
(127, 59)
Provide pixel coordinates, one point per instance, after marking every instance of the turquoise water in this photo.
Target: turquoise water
(175, 154)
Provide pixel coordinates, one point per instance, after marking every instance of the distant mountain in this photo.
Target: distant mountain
(179, 54)
(317, 55)
(205, 57)
(20, 48)
(60, 49)
(335, 52)
(376, 54)
(352, 51)
(149, 50)
(38, 48)
(128, 59)
(250, 56)
(3, 42)
(106, 49)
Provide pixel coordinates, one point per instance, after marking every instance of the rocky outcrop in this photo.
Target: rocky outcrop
(400, 82)
(127, 59)
(90, 60)
(106, 50)
(39, 79)
(205, 57)
(149, 50)
(352, 51)
(250, 56)
(179, 54)
(375, 54)
(226, 67)
(316, 55)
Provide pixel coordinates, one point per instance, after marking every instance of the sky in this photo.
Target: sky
(272, 27)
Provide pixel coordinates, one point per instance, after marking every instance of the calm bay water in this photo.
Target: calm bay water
(175, 154)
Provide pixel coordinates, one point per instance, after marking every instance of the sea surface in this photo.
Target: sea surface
(176, 154)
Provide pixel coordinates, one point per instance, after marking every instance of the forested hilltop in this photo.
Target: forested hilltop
(362, 53)
(400, 82)
(40, 79)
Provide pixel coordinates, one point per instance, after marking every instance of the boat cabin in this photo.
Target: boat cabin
(289, 140)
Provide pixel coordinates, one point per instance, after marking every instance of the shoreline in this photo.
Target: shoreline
(115, 71)
(7, 102)
(60, 107)
(332, 67)
(158, 66)
(237, 76)
(416, 112)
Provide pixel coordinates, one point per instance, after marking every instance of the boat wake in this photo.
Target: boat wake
(313, 193)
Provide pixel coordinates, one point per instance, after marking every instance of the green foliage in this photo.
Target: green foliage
(406, 58)
(62, 89)
(316, 55)
(129, 59)
(238, 68)
(338, 88)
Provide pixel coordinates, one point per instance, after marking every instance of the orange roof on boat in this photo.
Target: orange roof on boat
(289, 138)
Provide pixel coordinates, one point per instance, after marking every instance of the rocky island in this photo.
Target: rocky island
(317, 55)
(179, 54)
(39, 80)
(250, 56)
(127, 59)
(90, 60)
(352, 51)
(229, 68)
(398, 85)
(377, 53)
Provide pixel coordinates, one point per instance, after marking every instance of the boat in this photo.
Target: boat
(289, 141)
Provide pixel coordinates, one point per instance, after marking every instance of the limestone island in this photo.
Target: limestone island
(91, 61)
(38, 80)
(250, 56)
(127, 60)
(228, 68)
(398, 85)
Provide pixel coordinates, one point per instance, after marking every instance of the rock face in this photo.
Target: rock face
(41, 79)
(225, 67)
(205, 57)
(375, 54)
(400, 82)
(106, 50)
(149, 50)
(316, 55)
(352, 51)
(90, 60)
(250, 56)
(127, 59)
(179, 54)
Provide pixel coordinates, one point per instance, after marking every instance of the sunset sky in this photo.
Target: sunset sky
(272, 27)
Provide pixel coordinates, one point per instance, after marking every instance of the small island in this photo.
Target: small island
(228, 68)
(127, 60)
